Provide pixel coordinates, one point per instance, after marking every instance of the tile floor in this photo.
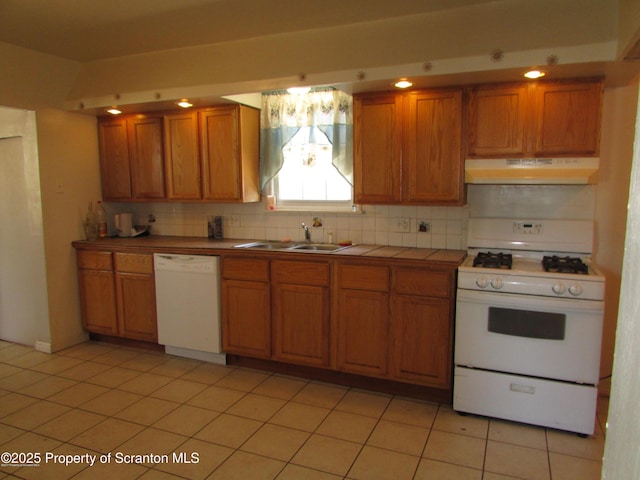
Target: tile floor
(205, 421)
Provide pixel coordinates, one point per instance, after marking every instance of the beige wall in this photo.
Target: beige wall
(30, 79)
(628, 25)
(69, 177)
(616, 152)
(24, 315)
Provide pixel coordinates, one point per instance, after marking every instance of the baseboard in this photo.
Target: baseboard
(219, 358)
(44, 347)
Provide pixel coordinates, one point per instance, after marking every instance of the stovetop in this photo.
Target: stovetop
(547, 258)
(550, 263)
(528, 276)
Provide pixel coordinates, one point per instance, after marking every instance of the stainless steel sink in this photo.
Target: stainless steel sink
(297, 247)
(266, 244)
(325, 247)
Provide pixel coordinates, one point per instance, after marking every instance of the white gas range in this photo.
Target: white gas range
(529, 315)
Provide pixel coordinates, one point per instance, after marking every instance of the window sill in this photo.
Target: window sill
(355, 209)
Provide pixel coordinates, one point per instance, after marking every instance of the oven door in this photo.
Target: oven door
(529, 335)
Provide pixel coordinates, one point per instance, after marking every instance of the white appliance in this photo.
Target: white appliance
(529, 315)
(188, 305)
(124, 224)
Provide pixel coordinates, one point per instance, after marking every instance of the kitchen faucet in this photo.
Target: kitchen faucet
(307, 233)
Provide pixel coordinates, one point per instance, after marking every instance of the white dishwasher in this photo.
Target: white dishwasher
(188, 305)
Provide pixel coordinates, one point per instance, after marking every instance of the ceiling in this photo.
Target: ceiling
(91, 30)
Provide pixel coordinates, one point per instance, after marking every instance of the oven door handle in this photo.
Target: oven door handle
(527, 301)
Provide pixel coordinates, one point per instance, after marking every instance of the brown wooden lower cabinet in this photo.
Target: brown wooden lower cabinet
(117, 294)
(363, 332)
(420, 334)
(370, 318)
(246, 307)
(246, 322)
(421, 325)
(136, 301)
(98, 301)
(300, 311)
(362, 319)
(300, 317)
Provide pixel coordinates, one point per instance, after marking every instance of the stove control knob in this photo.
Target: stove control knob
(575, 290)
(559, 288)
(482, 282)
(496, 283)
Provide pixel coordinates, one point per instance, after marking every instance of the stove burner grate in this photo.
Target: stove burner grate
(558, 264)
(493, 260)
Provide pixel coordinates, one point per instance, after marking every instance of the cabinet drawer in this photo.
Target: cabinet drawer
(94, 260)
(363, 277)
(422, 282)
(134, 263)
(300, 272)
(245, 269)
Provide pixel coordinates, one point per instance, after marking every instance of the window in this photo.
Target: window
(307, 173)
(306, 149)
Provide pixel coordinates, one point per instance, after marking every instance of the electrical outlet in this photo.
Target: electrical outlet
(401, 225)
(234, 221)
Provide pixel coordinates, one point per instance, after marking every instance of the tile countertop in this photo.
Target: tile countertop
(203, 245)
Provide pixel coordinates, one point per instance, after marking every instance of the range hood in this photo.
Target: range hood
(532, 171)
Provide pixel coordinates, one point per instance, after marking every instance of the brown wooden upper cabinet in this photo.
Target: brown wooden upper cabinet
(230, 149)
(131, 158)
(408, 148)
(182, 158)
(559, 118)
(210, 154)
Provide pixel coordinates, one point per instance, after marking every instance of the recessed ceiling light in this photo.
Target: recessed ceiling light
(114, 111)
(533, 74)
(184, 103)
(404, 83)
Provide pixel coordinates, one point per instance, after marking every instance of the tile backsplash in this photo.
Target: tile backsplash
(406, 226)
(442, 227)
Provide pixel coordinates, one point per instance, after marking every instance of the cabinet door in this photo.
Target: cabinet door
(567, 118)
(182, 159)
(114, 159)
(433, 147)
(230, 151)
(497, 121)
(421, 332)
(301, 324)
(98, 301)
(136, 300)
(220, 145)
(146, 157)
(363, 332)
(377, 148)
(246, 318)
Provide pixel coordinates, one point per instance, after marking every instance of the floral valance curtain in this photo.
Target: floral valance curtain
(284, 113)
